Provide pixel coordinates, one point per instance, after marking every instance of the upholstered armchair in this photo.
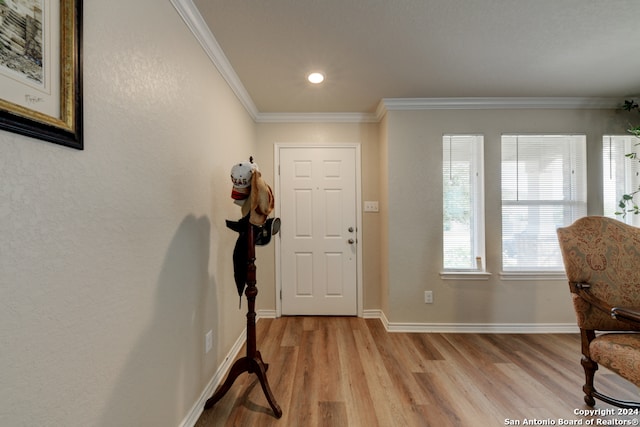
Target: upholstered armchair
(602, 261)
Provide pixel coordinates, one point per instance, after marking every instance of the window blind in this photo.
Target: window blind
(543, 187)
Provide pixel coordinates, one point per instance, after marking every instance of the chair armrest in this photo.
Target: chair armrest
(627, 315)
(624, 314)
(582, 290)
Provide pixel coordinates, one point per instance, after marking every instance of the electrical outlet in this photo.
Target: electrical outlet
(208, 341)
(428, 297)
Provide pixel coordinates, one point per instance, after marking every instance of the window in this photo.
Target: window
(463, 202)
(543, 187)
(620, 175)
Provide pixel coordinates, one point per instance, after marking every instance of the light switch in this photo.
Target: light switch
(371, 206)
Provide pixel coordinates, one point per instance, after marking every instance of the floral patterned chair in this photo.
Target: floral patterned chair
(602, 261)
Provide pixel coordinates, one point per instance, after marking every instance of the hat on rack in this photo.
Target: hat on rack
(241, 174)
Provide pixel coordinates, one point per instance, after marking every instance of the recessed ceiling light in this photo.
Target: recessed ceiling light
(315, 78)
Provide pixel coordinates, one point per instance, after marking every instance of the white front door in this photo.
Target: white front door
(318, 237)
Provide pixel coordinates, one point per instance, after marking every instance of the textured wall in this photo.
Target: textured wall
(115, 261)
(414, 252)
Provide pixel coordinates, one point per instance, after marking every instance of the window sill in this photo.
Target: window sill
(533, 275)
(465, 275)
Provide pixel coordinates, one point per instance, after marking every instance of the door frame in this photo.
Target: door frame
(358, 175)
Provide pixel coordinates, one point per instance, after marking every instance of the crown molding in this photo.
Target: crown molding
(194, 21)
(317, 118)
(403, 104)
(192, 17)
(415, 104)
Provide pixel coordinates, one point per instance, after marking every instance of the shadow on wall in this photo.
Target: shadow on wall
(167, 362)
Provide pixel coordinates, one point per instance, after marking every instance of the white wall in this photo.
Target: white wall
(115, 260)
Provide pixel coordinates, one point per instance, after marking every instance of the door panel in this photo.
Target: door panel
(318, 256)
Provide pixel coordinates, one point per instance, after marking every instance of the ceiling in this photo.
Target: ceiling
(376, 49)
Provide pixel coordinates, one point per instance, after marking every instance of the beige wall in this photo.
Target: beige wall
(384, 214)
(115, 260)
(366, 135)
(414, 182)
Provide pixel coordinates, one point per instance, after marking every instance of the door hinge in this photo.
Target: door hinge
(280, 294)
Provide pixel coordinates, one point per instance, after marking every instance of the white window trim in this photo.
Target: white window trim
(630, 186)
(465, 275)
(532, 275)
(479, 243)
(535, 275)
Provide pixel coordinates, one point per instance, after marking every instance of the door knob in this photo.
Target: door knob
(351, 241)
(350, 229)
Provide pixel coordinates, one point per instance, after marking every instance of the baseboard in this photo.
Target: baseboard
(376, 314)
(478, 328)
(485, 328)
(266, 314)
(194, 414)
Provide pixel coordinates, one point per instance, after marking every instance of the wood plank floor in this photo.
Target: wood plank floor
(347, 371)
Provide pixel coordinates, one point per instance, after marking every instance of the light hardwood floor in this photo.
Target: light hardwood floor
(347, 371)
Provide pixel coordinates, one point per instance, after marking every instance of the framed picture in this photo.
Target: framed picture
(41, 69)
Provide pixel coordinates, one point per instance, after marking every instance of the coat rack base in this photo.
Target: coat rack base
(252, 362)
(252, 365)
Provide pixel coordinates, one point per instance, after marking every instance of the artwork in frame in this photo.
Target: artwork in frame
(41, 69)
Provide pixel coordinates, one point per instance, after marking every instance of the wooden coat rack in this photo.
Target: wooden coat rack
(252, 362)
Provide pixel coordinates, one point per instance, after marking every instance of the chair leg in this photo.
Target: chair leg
(590, 368)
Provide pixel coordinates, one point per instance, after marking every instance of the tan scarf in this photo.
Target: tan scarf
(260, 202)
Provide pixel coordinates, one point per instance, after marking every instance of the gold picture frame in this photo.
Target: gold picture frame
(41, 70)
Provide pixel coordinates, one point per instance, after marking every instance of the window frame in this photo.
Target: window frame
(574, 207)
(477, 206)
(630, 168)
